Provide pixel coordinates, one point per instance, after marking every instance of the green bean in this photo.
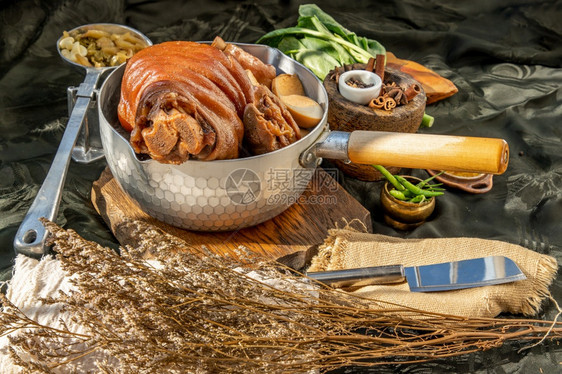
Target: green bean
(416, 190)
(390, 177)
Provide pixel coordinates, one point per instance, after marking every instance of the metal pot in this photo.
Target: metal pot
(232, 194)
(213, 195)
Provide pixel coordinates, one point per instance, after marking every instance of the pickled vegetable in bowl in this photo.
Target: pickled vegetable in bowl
(99, 48)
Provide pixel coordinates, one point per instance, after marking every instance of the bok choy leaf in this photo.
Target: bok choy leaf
(320, 43)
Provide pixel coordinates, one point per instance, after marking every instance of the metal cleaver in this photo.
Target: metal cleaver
(445, 276)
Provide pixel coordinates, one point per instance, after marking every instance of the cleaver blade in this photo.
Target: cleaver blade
(446, 276)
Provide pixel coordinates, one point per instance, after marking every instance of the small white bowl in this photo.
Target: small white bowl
(360, 96)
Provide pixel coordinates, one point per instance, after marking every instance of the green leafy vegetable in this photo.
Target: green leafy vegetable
(320, 43)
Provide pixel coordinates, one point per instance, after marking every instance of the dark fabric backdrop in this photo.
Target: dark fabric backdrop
(504, 56)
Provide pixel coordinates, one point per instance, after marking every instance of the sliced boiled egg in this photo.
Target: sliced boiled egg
(305, 111)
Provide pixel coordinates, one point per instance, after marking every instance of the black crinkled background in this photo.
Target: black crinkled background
(505, 57)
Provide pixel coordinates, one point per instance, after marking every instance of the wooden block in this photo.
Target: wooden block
(300, 228)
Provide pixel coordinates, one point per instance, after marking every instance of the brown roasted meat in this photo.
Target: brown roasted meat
(268, 124)
(264, 73)
(186, 100)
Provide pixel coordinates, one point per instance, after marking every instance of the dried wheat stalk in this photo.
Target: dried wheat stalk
(200, 313)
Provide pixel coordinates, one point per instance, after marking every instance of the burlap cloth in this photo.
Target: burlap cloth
(345, 249)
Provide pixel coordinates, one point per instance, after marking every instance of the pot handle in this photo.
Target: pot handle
(31, 236)
(418, 151)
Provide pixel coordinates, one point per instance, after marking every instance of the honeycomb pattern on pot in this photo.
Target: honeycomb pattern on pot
(200, 203)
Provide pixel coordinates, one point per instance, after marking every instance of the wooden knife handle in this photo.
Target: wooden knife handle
(429, 151)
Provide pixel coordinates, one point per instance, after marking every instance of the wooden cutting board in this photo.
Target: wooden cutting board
(300, 228)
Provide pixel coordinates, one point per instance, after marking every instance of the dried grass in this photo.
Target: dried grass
(200, 312)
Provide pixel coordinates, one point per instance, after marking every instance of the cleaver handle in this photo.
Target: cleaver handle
(359, 277)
